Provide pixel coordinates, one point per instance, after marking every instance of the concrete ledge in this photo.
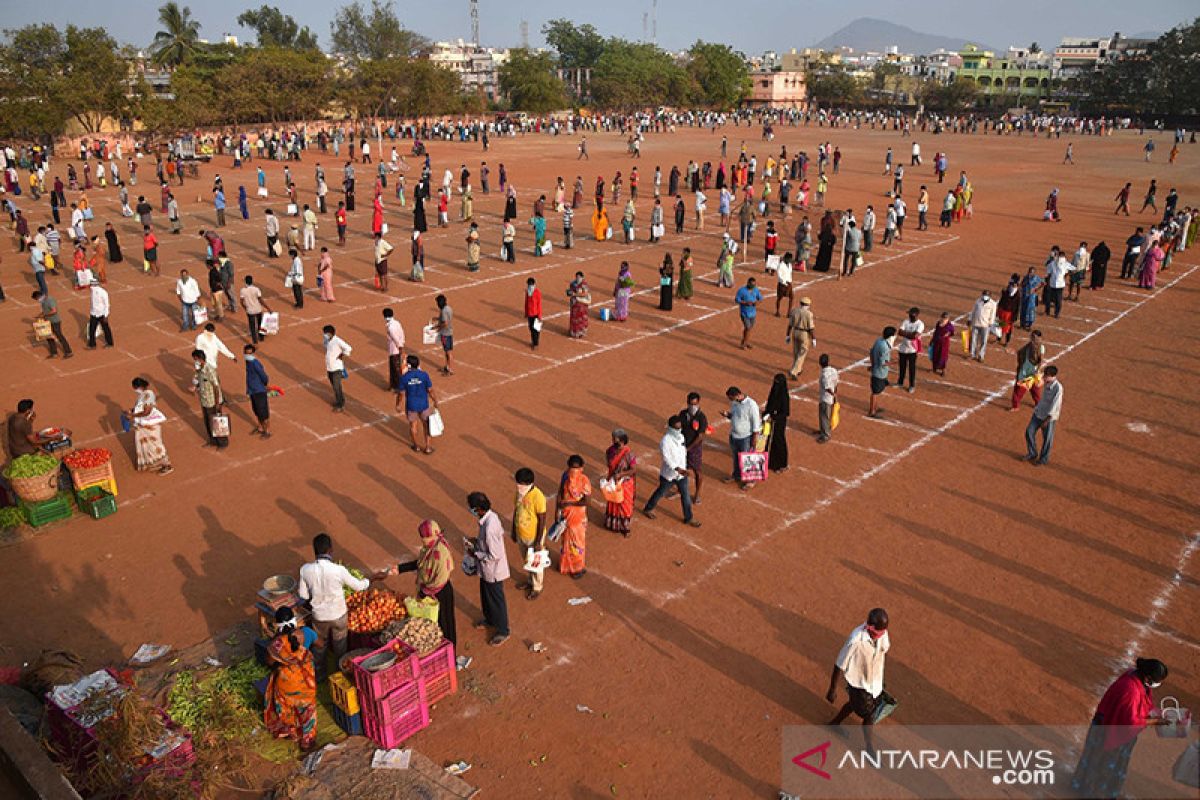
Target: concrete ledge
(27, 767)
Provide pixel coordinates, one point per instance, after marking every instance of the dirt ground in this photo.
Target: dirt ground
(1016, 593)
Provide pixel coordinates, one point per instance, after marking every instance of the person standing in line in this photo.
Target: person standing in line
(748, 297)
(1008, 307)
(1080, 264)
(254, 305)
(1029, 371)
(533, 311)
(258, 390)
(529, 527)
(272, 229)
(909, 346)
(325, 275)
(415, 399)
(777, 410)
(323, 582)
(828, 383)
(574, 491)
(745, 423)
(48, 310)
(207, 387)
(923, 209)
(1057, 269)
(488, 550)
(868, 229)
(983, 318)
(98, 316)
(801, 329)
(673, 473)
(336, 350)
(1133, 249)
(219, 206)
(1045, 418)
(394, 333)
(695, 432)
(173, 214)
(1069, 157)
(339, 218)
(310, 228)
(147, 421)
(150, 252)
(1100, 257)
(1030, 285)
(783, 283)
(851, 247)
(211, 344)
(295, 278)
(860, 666)
(444, 322)
(881, 361)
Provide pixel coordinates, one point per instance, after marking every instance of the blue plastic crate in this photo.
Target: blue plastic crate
(350, 723)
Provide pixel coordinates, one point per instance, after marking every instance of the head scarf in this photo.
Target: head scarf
(435, 563)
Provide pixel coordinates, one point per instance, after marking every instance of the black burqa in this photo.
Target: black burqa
(1100, 257)
(114, 247)
(778, 409)
(419, 214)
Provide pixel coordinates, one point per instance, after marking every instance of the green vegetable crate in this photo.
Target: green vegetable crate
(47, 511)
(96, 501)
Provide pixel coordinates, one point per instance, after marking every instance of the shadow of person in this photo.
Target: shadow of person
(728, 766)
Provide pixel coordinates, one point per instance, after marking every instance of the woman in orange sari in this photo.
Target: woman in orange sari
(573, 494)
(291, 711)
(622, 469)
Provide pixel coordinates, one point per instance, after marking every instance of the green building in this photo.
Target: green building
(1019, 73)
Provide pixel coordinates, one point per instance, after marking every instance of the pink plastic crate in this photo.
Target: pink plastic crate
(374, 686)
(397, 716)
(439, 672)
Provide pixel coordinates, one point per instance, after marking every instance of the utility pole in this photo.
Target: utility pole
(654, 22)
(475, 22)
(525, 33)
(645, 26)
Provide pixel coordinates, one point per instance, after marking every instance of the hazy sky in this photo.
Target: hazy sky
(749, 25)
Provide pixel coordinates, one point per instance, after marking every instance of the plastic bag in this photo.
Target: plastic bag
(612, 491)
(835, 416)
(436, 426)
(429, 334)
(423, 608)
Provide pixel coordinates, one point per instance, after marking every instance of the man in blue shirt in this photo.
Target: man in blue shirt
(417, 401)
(748, 297)
(881, 361)
(219, 205)
(258, 391)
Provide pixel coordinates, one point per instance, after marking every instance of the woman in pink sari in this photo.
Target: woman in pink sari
(939, 343)
(622, 470)
(1150, 265)
(377, 216)
(325, 275)
(573, 492)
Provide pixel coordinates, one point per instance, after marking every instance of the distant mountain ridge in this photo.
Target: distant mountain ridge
(868, 33)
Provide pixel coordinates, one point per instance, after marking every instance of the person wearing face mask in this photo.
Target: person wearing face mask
(674, 472)
(488, 550)
(1045, 418)
(533, 312)
(207, 387)
(1126, 708)
(258, 391)
(695, 431)
(860, 665)
(336, 350)
(433, 567)
(22, 439)
(529, 526)
(881, 363)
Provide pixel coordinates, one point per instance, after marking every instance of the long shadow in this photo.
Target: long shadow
(550, 455)
(1122, 511)
(1124, 448)
(361, 516)
(170, 311)
(729, 766)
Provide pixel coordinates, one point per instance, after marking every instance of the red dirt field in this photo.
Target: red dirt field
(1016, 593)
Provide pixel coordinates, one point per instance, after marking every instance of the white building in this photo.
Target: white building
(478, 67)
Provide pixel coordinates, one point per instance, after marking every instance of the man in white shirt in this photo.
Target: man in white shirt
(211, 344)
(98, 316)
(860, 664)
(745, 423)
(901, 212)
(272, 229)
(916, 155)
(827, 397)
(868, 229)
(674, 472)
(1057, 269)
(310, 228)
(1045, 417)
(188, 291)
(983, 317)
(295, 278)
(322, 582)
(783, 283)
(336, 349)
(908, 338)
(395, 348)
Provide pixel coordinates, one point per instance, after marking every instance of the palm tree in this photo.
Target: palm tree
(179, 38)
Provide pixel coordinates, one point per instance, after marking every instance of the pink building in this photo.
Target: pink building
(778, 89)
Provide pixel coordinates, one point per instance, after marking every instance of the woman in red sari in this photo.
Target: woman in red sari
(573, 493)
(939, 343)
(291, 699)
(622, 470)
(377, 216)
(1126, 708)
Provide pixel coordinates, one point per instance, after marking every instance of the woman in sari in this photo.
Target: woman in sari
(939, 343)
(1008, 307)
(377, 215)
(622, 470)
(433, 566)
(147, 430)
(560, 193)
(580, 298)
(622, 291)
(96, 262)
(539, 234)
(325, 275)
(683, 287)
(243, 203)
(83, 275)
(573, 492)
(1126, 708)
(666, 283)
(600, 225)
(473, 249)
(291, 698)
(777, 409)
(725, 262)
(577, 194)
(1150, 265)
(1030, 286)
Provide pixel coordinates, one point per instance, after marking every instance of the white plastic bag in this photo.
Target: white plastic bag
(429, 334)
(262, 191)
(270, 323)
(436, 426)
(536, 560)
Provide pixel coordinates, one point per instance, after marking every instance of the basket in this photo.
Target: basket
(439, 672)
(374, 686)
(350, 723)
(398, 716)
(90, 476)
(96, 501)
(37, 488)
(343, 693)
(47, 511)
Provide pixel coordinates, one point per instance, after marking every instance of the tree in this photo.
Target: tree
(577, 47)
(721, 77)
(530, 83)
(30, 83)
(960, 94)
(275, 84)
(276, 29)
(94, 78)
(179, 37)
(834, 88)
(633, 75)
(362, 35)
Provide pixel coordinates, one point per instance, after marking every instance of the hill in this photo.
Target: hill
(867, 33)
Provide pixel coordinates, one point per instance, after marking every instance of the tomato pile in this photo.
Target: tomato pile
(373, 609)
(88, 458)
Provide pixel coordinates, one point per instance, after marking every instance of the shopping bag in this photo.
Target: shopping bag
(536, 560)
(772, 264)
(200, 315)
(753, 466)
(835, 416)
(557, 530)
(220, 425)
(429, 334)
(884, 707)
(145, 265)
(1187, 766)
(658, 231)
(89, 213)
(537, 325)
(763, 440)
(424, 608)
(270, 323)
(288, 281)
(1176, 719)
(262, 191)
(292, 210)
(42, 330)
(277, 249)
(612, 491)
(608, 232)
(547, 247)
(470, 564)
(436, 426)
(966, 342)
(383, 228)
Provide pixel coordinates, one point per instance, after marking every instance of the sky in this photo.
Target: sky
(758, 25)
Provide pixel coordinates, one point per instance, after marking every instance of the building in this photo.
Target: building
(807, 59)
(1018, 73)
(1075, 57)
(478, 68)
(940, 65)
(778, 89)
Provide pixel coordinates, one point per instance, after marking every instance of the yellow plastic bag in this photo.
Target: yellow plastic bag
(835, 416)
(764, 439)
(50, 263)
(966, 342)
(423, 608)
